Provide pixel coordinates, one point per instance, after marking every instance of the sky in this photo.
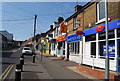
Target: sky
(18, 17)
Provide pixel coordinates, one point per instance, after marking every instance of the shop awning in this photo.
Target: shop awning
(52, 41)
(38, 43)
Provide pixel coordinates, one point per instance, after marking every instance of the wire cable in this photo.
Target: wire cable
(18, 19)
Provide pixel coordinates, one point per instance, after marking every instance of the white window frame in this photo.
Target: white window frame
(98, 15)
(75, 26)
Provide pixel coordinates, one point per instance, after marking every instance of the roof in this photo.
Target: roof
(83, 8)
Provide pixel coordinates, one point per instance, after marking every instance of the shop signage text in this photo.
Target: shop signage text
(73, 38)
(112, 25)
(63, 28)
(79, 32)
(100, 28)
(111, 50)
(61, 38)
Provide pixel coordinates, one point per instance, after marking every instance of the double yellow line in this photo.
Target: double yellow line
(6, 72)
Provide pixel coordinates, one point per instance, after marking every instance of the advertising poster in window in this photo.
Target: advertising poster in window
(111, 49)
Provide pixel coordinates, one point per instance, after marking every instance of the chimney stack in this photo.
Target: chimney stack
(78, 8)
(60, 19)
(51, 26)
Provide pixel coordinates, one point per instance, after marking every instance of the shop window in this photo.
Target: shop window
(74, 48)
(93, 48)
(102, 35)
(64, 44)
(111, 34)
(100, 11)
(77, 46)
(118, 32)
(111, 48)
(63, 47)
(71, 48)
(53, 46)
(90, 37)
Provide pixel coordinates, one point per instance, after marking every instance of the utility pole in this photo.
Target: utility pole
(107, 55)
(35, 31)
(34, 38)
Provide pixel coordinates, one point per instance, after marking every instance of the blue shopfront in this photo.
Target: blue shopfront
(74, 47)
(95, 44)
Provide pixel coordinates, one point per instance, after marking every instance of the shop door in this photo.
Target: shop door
(59, 48)
(118, 50)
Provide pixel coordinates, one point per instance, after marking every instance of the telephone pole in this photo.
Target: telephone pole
(35, 31)
(34, 38)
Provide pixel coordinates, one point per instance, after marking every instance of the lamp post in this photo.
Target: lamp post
(107, 55)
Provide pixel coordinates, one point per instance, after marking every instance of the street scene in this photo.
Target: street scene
(74, 40)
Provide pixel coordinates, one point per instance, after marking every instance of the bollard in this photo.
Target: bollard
(33, 58)
(18, 72)
(22, 60)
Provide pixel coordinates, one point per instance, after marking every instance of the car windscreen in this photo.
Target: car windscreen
(26, 48)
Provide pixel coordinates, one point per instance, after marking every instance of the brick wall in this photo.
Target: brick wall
(89, 15)
(70, 25)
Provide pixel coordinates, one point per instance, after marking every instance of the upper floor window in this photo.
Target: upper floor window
(101, 11)
(75, 23)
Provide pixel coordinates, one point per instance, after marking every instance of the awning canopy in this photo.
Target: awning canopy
(52, 41)
(38, 43)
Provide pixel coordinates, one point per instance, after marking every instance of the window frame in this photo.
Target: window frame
(98, 14)
(75, 24)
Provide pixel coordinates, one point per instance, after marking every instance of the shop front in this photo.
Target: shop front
(51, 46)
(61, 45)
(95, 45)
(74, 47)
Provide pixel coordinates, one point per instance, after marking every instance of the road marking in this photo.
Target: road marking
(5, 71)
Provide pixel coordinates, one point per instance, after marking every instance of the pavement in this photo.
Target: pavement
(52, 69)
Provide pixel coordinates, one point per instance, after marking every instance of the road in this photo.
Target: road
(10, 57)
(45, 69)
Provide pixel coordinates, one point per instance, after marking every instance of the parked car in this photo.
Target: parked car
(27, 51)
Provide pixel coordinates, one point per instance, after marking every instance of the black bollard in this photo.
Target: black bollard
(33, 58)
(22, 60)
(18, 72)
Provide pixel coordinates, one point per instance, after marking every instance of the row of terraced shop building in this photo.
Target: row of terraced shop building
(81, 38)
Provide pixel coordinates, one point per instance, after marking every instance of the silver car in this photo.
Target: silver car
(27, 51)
